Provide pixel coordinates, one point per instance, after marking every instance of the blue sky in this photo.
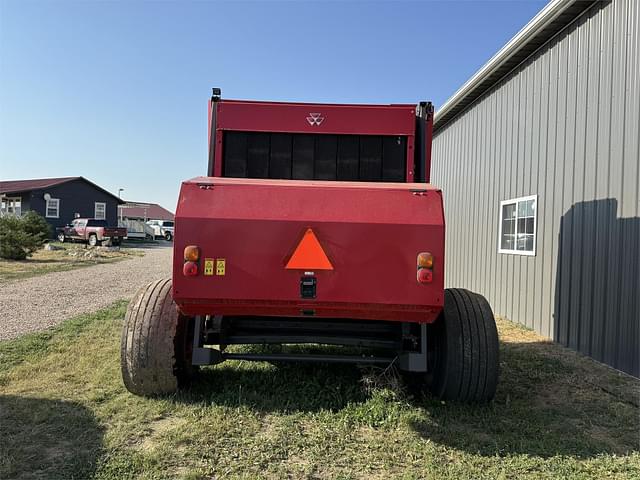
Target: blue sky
(117, 91)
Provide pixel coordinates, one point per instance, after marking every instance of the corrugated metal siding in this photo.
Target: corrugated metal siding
(565, 126)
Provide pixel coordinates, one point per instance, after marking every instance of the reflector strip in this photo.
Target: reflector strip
(309, 254)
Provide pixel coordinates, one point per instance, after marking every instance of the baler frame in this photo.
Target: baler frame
(406, 348)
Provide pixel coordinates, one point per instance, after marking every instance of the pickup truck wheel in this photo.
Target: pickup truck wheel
(168, 236)
(93, 240)
(464, 341)
(61, 237)
(157, 343)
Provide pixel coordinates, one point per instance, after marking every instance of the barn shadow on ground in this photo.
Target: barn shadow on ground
(52, 439)
(550, 402)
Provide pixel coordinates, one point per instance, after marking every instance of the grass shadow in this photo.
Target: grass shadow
(48, 439)
(278, 387)
(550, 402)
(32, 261)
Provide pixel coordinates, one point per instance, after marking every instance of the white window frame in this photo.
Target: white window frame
(10, 203)
(48, 205)
(535, 225)
(104, 210)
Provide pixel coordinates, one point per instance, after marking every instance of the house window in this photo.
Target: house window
(518, 225)
(52, 208)
(100, 211)
(11, 206)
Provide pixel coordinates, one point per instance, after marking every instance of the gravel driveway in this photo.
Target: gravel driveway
(40, 302)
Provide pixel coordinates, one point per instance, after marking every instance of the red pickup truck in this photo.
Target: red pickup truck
(91, 231)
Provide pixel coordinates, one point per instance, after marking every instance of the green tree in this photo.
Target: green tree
(21, 236)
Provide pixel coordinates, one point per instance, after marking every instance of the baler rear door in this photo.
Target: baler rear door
(294, 248)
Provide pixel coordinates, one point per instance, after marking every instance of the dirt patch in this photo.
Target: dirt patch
(514, 333)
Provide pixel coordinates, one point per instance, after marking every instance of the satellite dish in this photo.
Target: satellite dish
(47, 197)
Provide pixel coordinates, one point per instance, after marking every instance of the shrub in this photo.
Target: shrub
(36, 226)
(21, 236)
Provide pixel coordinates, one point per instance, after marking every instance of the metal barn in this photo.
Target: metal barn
(538, 155)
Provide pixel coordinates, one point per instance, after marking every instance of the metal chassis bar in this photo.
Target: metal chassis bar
(416, 361)
(354, 359)
(409, 361)
(202, 355)
(301, 339)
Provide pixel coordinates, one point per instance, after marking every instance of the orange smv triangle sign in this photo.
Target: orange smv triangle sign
(309, 254)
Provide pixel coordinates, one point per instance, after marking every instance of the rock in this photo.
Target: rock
(49, 247)
(91, 254)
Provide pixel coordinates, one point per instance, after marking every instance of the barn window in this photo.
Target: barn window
(53, 208)
(518, 225)
(100, 211)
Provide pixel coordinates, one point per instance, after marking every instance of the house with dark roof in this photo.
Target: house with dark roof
(59, 200)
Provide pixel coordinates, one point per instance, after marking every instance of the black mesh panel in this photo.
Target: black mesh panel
(315, 157)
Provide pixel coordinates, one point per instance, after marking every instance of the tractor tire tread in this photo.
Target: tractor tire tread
(469, 369)
(152, 322)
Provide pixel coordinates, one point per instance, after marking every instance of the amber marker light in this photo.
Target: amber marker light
(191, 253)
(425, 260)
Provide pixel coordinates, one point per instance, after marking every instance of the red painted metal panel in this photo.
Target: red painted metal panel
(338, 119)
(371, 232)
(316, 118)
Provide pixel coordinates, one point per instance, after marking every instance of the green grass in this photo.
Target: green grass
(47, 261)
(65, 414)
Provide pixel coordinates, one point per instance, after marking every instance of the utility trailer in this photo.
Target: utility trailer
(315, 224)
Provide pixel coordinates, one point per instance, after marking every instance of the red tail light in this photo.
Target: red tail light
(425, 275)
(190, 269)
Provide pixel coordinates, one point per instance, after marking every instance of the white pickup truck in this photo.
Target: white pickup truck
(163, 228)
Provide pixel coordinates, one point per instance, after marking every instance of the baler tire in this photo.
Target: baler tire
(466, 357)
(156, 343)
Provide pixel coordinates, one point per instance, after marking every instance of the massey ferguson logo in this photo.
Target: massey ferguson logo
(315, 119)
